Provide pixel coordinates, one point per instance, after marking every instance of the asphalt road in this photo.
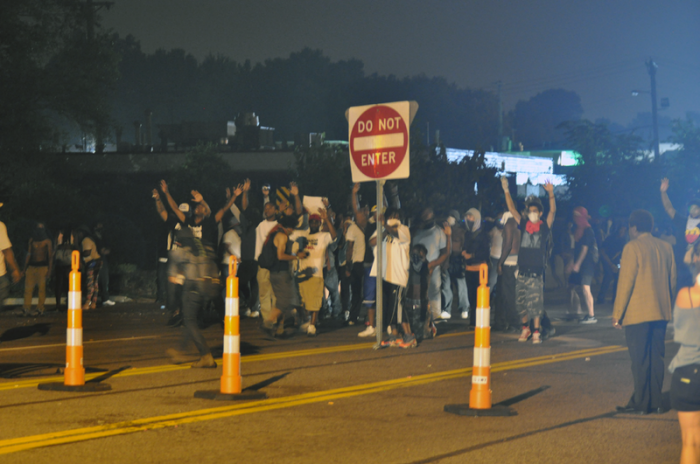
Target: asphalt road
(330, 399)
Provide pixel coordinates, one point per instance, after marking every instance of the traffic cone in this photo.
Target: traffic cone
(231, 380)
(74, 373)
(480, 394)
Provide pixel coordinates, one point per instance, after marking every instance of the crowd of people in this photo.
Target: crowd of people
(300, 263)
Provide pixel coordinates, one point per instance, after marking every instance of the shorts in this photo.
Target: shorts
(529, 296)
(369, 289)
(579, 278)
(311, 292)
(685, 388)
(283, 288)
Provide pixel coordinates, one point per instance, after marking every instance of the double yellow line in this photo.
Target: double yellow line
(171, 420)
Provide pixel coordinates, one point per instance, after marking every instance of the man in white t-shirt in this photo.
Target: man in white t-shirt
(432, 237)
(354, 268)
(267, 297)
(7, 259)
(310, 275)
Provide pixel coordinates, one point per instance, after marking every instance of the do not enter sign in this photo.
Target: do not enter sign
(379, 141)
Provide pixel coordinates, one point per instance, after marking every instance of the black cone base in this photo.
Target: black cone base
(88, 387)
(218, 396)
(465, 410)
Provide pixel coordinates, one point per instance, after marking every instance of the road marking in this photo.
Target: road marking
(36, 347)
(14, 445)
(178, 367)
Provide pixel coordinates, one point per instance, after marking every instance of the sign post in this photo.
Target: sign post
(379, 142)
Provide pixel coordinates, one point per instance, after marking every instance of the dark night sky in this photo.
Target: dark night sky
(596, 48)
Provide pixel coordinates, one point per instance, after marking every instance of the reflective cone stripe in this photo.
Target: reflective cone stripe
(231, 380)
(480, 394)
(75, 372)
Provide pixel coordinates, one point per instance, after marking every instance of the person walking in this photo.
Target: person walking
(7, 260)
(583, 268)
(37, 268)
(645, 287)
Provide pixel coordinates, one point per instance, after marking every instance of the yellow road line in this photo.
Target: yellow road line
(178, 367)
(151, 423)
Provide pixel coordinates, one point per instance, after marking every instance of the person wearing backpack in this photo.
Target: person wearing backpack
(583, 267)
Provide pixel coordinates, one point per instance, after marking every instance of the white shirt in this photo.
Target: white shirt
(355, 235)
(395, 257)
(316, 247)
(232, 241)
(4, 245)
(433, 240)
(261, 232)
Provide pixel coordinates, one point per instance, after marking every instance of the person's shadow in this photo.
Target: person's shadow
(18, 333)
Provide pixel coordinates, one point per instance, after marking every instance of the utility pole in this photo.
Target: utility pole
(499, 143)
(651, 68)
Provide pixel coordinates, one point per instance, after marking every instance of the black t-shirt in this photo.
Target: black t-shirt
(207, 230)
(533, 247)
(164, 236)
(370, 228)
(587, 239)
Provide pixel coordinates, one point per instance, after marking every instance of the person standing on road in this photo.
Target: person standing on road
(611, 252)
(645, 289)
(432, 237)
(532, 258)
(265, 294)
(685, 366)
(583, 268)
(104, 250)
(456, 267)
(7, 259)
(93, 262)
(37, 268)
(507, 318)
(476, 249)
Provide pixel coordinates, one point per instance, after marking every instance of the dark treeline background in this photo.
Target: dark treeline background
(59, 80)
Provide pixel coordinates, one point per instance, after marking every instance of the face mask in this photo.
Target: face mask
(451, 221)
(533, 217)
(393, 222)
(416, 261)
(429, 224)
(470, 225)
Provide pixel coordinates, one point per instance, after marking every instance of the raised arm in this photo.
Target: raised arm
(244, 200)
(294, 191)
(198, 198)
(549, 187)
(232, 198)
(670, 210)
(360, 218)
(159, 206)
(327, 222)
(509, 200)
(173, 206)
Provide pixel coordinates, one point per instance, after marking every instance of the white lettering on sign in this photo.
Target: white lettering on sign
(373, 159)
(363, 126)
(389, 123)
(377, 142)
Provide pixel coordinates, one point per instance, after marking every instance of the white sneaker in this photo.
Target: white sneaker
(305, 326)
(247, 312)
(311, 331)
(255, 314)
(445, 315)
(108, 303)
(465, 314)
(368, 332)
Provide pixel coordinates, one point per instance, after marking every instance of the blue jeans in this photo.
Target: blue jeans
(330, 280)
(462, 294)
(446, 290)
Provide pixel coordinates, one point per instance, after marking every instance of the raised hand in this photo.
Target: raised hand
(549, 187)
(446, 228)
(355, 188)
(156, 195)
(323, 213)
(293, 189)
(246, 185)
(238, 190)
(164, 186)
(325, 202)
(196, 196)
(504, 183)
(664, 185)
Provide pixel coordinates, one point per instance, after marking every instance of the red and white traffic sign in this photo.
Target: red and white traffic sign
(379, 141)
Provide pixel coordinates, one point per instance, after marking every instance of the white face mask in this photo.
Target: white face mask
(533, 217)
(451, 221)
(393, 222)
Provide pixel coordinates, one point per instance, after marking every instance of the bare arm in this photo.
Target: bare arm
(159, 206)
(244, 200)
(173, 206)
(236, 192)
(509, 200)
(10, 260)
(281, 243)
(549, 187)
(507, 244)
(360, 218)
(294, 191)
(328, 223)
(670, 210)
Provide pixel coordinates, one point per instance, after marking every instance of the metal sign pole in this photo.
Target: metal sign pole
(379, 304)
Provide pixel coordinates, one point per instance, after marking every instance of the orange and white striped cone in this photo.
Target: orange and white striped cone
(74, 373)
(231, 380)
(480, 394)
